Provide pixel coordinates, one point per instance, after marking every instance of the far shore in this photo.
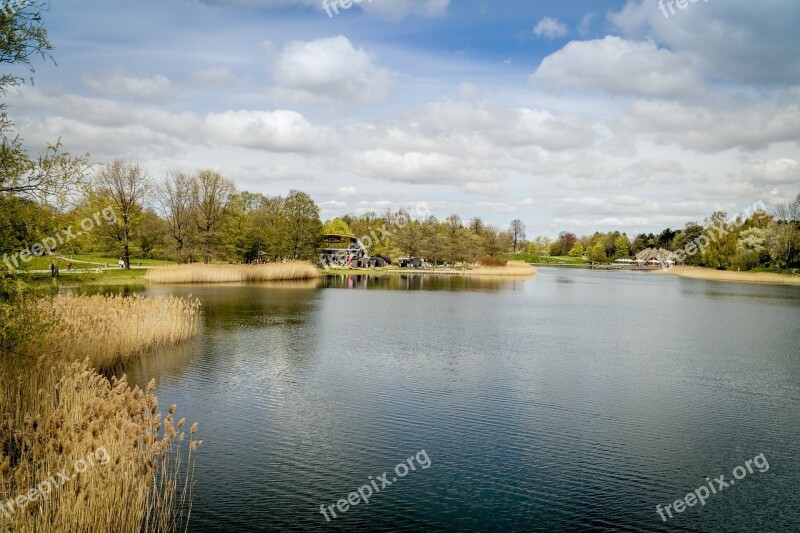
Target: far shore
(512, 269)
(771, 278)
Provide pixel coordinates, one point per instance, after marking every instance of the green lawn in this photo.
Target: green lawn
(547, 260)
(107, 277)
(92, 261)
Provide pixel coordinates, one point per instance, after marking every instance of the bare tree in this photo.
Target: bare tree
(174, 199)
(124, 185)
(211, 194)
(517, 233)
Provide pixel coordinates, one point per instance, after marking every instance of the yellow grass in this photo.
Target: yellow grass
(199, 273)
(108, 329)
(731, 276)
(55, 410)
(513, 268)
(54, 416)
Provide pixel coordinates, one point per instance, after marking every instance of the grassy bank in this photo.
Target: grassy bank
(548, 260)
(730, 276)
(512, 269)
(197, 273)
(127, 464)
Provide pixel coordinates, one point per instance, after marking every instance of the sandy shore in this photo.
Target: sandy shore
(730, 276)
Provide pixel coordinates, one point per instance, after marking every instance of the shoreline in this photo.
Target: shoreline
(728, 276)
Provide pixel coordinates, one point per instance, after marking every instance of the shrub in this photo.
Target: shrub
(490, 261)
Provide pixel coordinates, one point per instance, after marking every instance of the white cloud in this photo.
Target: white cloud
(156, 88)
(273, 131)
(617, 66)
(550, 28)
(776, 171)
(329, 70)
(706, 128)
(732, 39)
(347, 191)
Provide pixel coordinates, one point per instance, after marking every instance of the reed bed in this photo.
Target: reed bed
(512, 269)
(131, 478)
(200, 273)
(110, 329)
(731, 276)
(56, 409)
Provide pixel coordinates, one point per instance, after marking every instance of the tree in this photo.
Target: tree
(123, 186)
(597, 253)
(784, 234)
(303, 226)
(54, 174)
(751, 249)
(722, 237)
(337, 226)
(577, 250)
(563, 244)
(690, 234)
(517, 233)
(239, 231)
(174, 199)
(211, 194)
(622, 246)
(407, 234)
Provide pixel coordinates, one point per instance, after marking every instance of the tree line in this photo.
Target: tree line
(758, 240)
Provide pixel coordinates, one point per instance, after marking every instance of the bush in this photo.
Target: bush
(490, 261)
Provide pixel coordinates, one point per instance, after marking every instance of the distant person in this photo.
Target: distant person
(121, 263)
(69, 265)
(52, 269)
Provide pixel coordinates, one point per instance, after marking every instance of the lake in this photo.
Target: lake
(576, 400)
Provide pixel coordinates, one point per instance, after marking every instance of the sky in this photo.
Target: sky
(579, 116)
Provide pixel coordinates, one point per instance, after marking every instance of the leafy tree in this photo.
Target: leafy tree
(577, 251)
(723, 237)
(622, 246)
(211, 195)
(784, 233)
(751, 249)
(690, 234)
(303, 227)
(563, 244)
(337, 226)
(597, 253)
(54, 174)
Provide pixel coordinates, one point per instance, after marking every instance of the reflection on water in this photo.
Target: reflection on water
(421, 282)
(570, 401)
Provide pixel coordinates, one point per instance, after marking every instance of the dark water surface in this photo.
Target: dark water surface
(573, 401)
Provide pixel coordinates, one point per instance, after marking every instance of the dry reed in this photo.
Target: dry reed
(731, 276)
(65, 412)
(55, 410)
(512, 269)
(109, 329)
(200, 273)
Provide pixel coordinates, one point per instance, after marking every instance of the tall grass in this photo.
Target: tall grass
(56, 408)
(52, 417)
(109, 329)
(199, 273)
(728, 275)
(512, 269)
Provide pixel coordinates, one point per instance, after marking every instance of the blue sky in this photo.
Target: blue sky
(571, 115)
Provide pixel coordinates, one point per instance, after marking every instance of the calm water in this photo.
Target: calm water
(573, 401)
